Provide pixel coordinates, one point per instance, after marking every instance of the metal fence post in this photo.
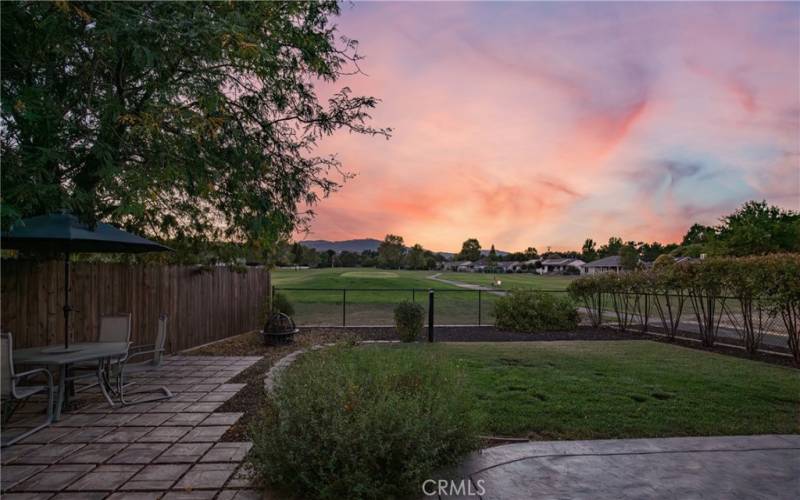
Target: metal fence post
(479, 307)
(344, 307)
(430, 315)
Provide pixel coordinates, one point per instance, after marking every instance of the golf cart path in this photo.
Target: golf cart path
(469, 286)
(766, 466)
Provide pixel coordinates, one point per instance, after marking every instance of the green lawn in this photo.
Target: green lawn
(622, 389)
(319, 306)
(513, 280)
(454, 305)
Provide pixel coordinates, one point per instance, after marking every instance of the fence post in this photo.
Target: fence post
(430, 315)
(344, 307)
(479, 307)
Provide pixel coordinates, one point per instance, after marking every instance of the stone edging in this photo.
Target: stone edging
(282, 364)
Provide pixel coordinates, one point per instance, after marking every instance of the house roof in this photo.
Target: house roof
(611, 261)
(557, 262)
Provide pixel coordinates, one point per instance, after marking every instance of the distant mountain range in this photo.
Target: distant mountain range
(359, 245)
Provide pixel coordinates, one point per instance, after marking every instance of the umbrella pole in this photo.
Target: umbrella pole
(67, 308)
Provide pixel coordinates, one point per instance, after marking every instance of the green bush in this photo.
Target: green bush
(281, 304)
(589, 290)
(408, 319)
(535, 311)
(363, 422)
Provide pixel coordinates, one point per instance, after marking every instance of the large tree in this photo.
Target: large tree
(391, 251)
(470, 250)
(757, 228)
(178, 119)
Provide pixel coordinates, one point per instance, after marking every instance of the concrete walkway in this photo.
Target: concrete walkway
(712, 467)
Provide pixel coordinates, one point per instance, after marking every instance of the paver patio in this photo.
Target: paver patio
(164, 450)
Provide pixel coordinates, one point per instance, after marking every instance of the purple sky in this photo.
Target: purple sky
(542, 124)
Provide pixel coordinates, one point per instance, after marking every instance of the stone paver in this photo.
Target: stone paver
(139, 453)
(149, 419)
(164, 434)
(125, 435)
(27, 496)
(83, 495)
(151, 451)
(134, 495)
(49, 454)
(181, 453)
(15, 474)
(14, 453)
(84, 435)
(54, 478)
(190, 419)
(159, 477)
(227, 452)
(93, 453)
(211, 433)
(206, 476)
(221, 419)
(710, 468)
(105, 478)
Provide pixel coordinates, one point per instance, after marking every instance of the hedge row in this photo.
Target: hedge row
(761, 291)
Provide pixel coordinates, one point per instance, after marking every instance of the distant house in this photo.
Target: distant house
(604, 265)
(464, 266)
(457, 265)
(510, 267)
(481, 265)
(561, 265)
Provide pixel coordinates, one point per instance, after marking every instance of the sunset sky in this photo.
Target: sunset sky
(542, 124)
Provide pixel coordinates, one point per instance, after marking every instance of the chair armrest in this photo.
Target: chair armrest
(141, 353)
(35, 371)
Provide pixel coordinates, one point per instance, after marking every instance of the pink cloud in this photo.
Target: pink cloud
(542, 124)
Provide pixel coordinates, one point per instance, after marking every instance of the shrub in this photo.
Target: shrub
(409, 319)
(669, 297)
(363, 422)
(588, 289)
(783, 288)
(704, 283)
(535, 311)
(281, 304)
(757, 313)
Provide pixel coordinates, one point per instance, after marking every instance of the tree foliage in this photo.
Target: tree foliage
(391, 251)
(181, 120)
(470, 250)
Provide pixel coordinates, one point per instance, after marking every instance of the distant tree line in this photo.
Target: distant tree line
(754, 229)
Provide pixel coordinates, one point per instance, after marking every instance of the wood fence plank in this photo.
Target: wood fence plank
(202, 305)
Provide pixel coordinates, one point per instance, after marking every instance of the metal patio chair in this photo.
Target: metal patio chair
(12, 393)
(113, 328)
(126, 368)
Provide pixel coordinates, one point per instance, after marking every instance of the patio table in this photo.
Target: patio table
(77, 353)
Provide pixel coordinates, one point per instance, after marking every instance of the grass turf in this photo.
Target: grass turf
(513, 280)
(622, 389)
(454, 305)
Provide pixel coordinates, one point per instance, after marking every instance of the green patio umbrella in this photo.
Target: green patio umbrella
(64, 233)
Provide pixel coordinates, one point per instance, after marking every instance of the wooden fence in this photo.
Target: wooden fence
(203, 304)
